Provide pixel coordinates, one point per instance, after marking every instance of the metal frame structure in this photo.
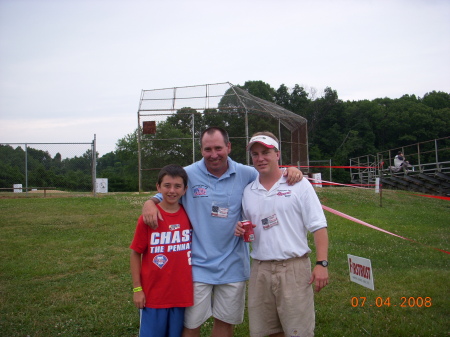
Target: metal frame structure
(429, 171)
(158, 104)
(93, 145)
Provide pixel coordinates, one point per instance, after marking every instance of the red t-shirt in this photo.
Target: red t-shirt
(166, 272)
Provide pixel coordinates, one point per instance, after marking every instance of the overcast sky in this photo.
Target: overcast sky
(70, 69)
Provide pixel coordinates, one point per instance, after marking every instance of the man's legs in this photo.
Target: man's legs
(228, 304)
(195, 316)
(222, 329)
(191, 332)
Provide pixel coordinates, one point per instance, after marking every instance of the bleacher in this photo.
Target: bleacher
(429, 172)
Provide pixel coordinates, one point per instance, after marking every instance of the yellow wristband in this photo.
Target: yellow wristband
(135, 290)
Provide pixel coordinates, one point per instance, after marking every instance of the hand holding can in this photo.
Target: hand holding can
(249, 235)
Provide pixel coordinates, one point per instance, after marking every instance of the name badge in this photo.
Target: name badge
(269, 221)
(219, 212)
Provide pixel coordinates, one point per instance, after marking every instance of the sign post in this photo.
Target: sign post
(317, 179)
(101, 185)
(361, 272)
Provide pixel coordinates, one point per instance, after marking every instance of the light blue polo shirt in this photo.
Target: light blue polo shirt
(218, 256)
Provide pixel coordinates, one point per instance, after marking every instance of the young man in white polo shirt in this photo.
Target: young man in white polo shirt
(280, 296)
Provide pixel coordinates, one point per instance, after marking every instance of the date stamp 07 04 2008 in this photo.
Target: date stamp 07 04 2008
(404, 302)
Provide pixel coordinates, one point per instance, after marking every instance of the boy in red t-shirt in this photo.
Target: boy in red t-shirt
(161, 261)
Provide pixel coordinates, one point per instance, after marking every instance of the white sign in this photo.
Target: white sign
(361, 271)
(17, 188)
(101, 185)
(317, 179)
(377, 185)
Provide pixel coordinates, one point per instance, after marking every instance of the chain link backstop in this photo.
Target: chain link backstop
(36, 168)
(170, 121)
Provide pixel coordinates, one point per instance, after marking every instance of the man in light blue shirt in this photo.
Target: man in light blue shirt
(220, 260)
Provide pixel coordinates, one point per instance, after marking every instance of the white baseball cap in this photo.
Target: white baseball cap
(267, 141)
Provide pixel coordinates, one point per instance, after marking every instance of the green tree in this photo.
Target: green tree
(183, 119)
(260, 89)
(12, 166)
(126, 163)
(437, 100)
(109, 166)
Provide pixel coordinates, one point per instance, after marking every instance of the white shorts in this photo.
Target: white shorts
(226, 302)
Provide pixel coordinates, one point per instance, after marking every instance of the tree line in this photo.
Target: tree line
(337, 130)
(43, 170)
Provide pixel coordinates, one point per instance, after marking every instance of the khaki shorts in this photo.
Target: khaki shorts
(280, 298)
(225, 302)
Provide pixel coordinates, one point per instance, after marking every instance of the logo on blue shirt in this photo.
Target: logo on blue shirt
(200, 191)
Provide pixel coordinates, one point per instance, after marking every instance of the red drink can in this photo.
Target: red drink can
(249, 235)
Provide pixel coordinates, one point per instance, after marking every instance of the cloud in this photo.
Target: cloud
(63, 130)
(76, 68)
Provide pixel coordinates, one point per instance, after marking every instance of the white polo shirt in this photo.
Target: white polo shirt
(287, 212)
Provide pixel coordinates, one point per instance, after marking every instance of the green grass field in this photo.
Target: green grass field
(65, 266)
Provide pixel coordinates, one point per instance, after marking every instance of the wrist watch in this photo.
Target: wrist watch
(323, 263)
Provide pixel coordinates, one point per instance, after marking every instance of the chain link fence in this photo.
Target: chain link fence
(46, 168)
(170, 122)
